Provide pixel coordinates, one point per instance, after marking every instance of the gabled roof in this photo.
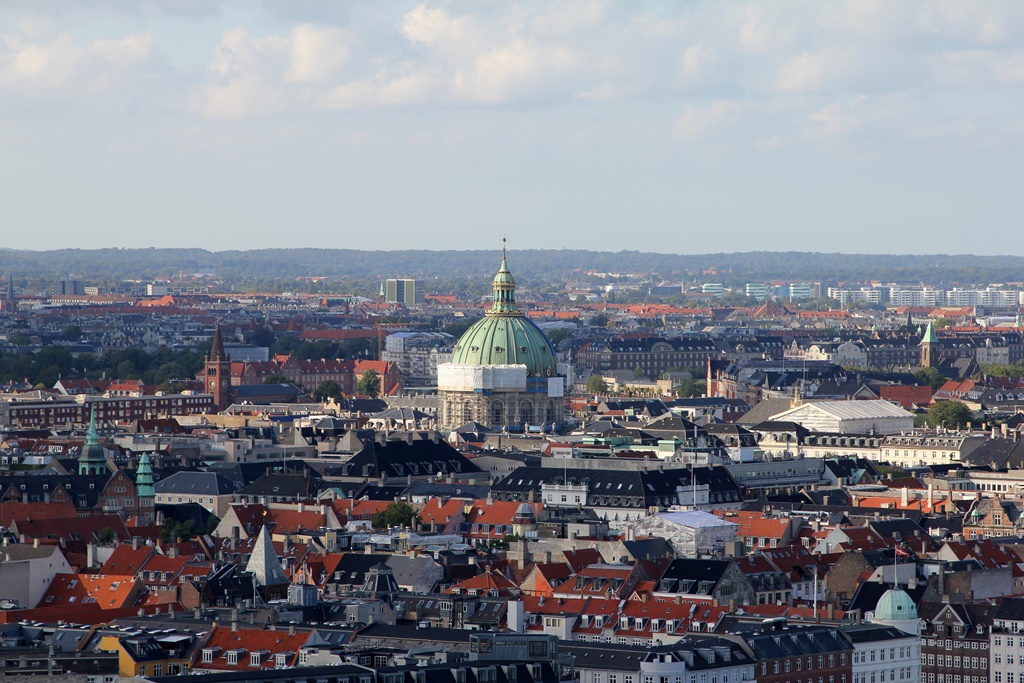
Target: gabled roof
(106, 592)
(126, 561)
(487, 583)
(246, 641)
(196, 484)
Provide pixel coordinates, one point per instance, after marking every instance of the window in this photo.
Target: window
(207, 656)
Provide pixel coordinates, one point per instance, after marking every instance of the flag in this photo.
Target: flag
(901, 551)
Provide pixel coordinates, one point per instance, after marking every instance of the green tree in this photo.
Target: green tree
(599, 320)
(71, 333)
(327, 390)
(949, 414)
(559, 335)
(639, 372)
(690, 388)
(106, 535)
(369, 384)
(596, 384)
(20, 339)
(398, 513)
(275, 379)
(931, 377)
(175, 531)
(171, 387)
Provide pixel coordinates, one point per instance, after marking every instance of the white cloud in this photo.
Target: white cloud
(696, 121)
(61, 64)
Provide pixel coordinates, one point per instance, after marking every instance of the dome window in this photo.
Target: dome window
(499, 349)
(523, 349)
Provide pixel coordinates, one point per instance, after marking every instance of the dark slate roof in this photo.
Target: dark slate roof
(84, 490)
(652, 406)
(196, 483)
(782, 426)
(1011, 609)
(246, 473)
(371, 491)
(999, 454)
(266, 393)
(604, 656)
(402, 459)
(294, 486)
(888, 528)
(765, 410)
(354, 568)
(835, 496)
(866, 597)
(872, 633)
(411, 633)
(649, 548)
(795, 642)
(617, 485)
(445, 490)
(682, 571)
(187, 512)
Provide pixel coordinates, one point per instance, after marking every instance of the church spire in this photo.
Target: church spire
(504, 288)
(217, 352)
(144, 478)
(93, 458)
(264, 564)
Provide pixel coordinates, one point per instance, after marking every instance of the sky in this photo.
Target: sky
(862, 126)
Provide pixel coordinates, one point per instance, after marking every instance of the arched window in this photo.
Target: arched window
(552, 412)
(497, 414)
(526, 412)
(467, 412)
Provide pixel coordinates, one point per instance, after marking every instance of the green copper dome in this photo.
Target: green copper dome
(895, 605)
(505, 336)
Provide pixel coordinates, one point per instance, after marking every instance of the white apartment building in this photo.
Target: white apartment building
(884, 654)
(914, 449)
(1006, 642)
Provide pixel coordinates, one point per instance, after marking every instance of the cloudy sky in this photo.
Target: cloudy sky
(689, 127)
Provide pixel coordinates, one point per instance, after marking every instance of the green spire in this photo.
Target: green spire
(93, 459)
(504, 289)
(144, 478)
(929, 335)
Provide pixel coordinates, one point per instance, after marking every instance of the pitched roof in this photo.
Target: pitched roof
(126, 561)
(106, 592)
(196, 484)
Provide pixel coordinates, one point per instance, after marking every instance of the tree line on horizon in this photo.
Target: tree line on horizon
(289, 269)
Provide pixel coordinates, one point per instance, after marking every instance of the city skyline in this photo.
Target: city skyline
(841, 127)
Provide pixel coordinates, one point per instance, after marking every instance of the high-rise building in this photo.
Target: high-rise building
(404, 291)
(759, 291)
(714, 288)
(67, 288)
(801, 290)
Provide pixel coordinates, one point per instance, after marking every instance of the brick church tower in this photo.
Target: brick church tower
(217, 373)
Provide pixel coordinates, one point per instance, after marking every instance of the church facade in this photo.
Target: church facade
(504, 373)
